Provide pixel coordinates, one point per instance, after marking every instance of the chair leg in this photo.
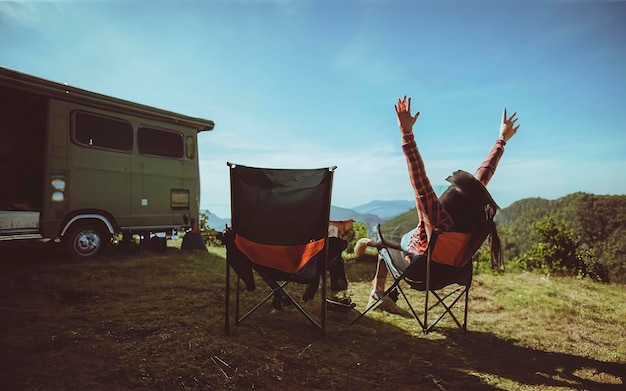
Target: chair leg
(263, 301)
(425, 327)
(466, 309)
(280, 288)
(227, 301)
(319, 326)
(324, 278)
(395, 285)
(448, 308)
(237, 301)
(408, 303)
(367, 309)
(377, 302)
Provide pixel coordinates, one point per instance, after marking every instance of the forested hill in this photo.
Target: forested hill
(585, 227)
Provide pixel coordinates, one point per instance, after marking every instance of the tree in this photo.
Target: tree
(559, 246)
(358, 231)
(208, 234)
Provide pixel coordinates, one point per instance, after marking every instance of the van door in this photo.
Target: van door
(100, 157)
(157, 178)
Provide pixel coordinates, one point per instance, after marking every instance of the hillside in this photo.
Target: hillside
(399, 225)
(337, 213)
(385, 209)
(217, 222)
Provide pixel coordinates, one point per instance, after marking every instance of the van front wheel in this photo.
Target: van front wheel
(85, 240)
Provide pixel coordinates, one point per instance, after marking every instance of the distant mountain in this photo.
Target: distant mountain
(337, 213)
(218, 223)
(386, 209)
(372, 213)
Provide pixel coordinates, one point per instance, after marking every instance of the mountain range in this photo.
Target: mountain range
(372, 213)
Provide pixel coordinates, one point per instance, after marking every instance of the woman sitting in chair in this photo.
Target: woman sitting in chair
(430, 210)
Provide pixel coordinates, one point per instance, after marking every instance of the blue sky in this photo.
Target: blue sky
(312, 83)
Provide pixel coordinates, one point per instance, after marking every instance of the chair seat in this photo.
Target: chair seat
(415, 274)
(440, 277)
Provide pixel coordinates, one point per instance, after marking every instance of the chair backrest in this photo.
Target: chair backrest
(280, 216)
(452, 248)
(467, 201)
(472, 208)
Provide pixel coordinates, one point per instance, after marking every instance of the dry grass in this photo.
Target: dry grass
(155, 322)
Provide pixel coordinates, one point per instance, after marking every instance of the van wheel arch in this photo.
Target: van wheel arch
(86, 238)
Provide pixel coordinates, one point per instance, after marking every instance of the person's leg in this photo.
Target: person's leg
(335, 266)
(378, 291)
(378, 284)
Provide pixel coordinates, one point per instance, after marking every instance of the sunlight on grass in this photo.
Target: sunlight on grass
(508, 384)
(554, 313)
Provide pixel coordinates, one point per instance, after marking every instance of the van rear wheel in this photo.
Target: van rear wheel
(85, 240)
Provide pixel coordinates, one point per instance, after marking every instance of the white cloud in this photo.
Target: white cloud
(28, 14)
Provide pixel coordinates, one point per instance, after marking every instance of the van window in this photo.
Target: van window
(158, 142)
(92, 130)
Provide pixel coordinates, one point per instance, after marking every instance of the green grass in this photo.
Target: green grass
(154, 321)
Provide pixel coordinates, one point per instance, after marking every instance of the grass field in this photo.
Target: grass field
(154, 321)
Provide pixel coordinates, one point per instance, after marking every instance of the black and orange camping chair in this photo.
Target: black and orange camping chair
(445, 271)
(280, 231)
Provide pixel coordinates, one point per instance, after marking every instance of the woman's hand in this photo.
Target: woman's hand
(508, 128)
(405, 119)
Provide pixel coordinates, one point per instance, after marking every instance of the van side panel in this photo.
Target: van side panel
(159, 184)
(135, 188)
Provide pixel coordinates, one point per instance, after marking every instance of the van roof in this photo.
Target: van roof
(66, 92)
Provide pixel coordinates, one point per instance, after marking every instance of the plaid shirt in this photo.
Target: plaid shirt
(430, 211)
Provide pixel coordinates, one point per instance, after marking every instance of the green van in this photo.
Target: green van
(81, 167)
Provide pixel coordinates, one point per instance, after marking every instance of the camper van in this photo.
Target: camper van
(82, 168)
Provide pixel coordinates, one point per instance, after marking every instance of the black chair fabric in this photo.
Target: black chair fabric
(279, 229)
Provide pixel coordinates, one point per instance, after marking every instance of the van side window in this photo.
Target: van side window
(92, 130)
(160, 142)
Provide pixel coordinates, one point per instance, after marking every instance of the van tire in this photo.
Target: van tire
(85, 240)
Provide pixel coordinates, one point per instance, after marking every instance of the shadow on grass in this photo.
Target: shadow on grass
(370, 355)
(19, 254)
(489, 354)
(376, 354)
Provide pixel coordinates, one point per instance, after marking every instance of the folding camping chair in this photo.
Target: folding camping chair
(445, 271)
(279, 230)
(424, 275)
